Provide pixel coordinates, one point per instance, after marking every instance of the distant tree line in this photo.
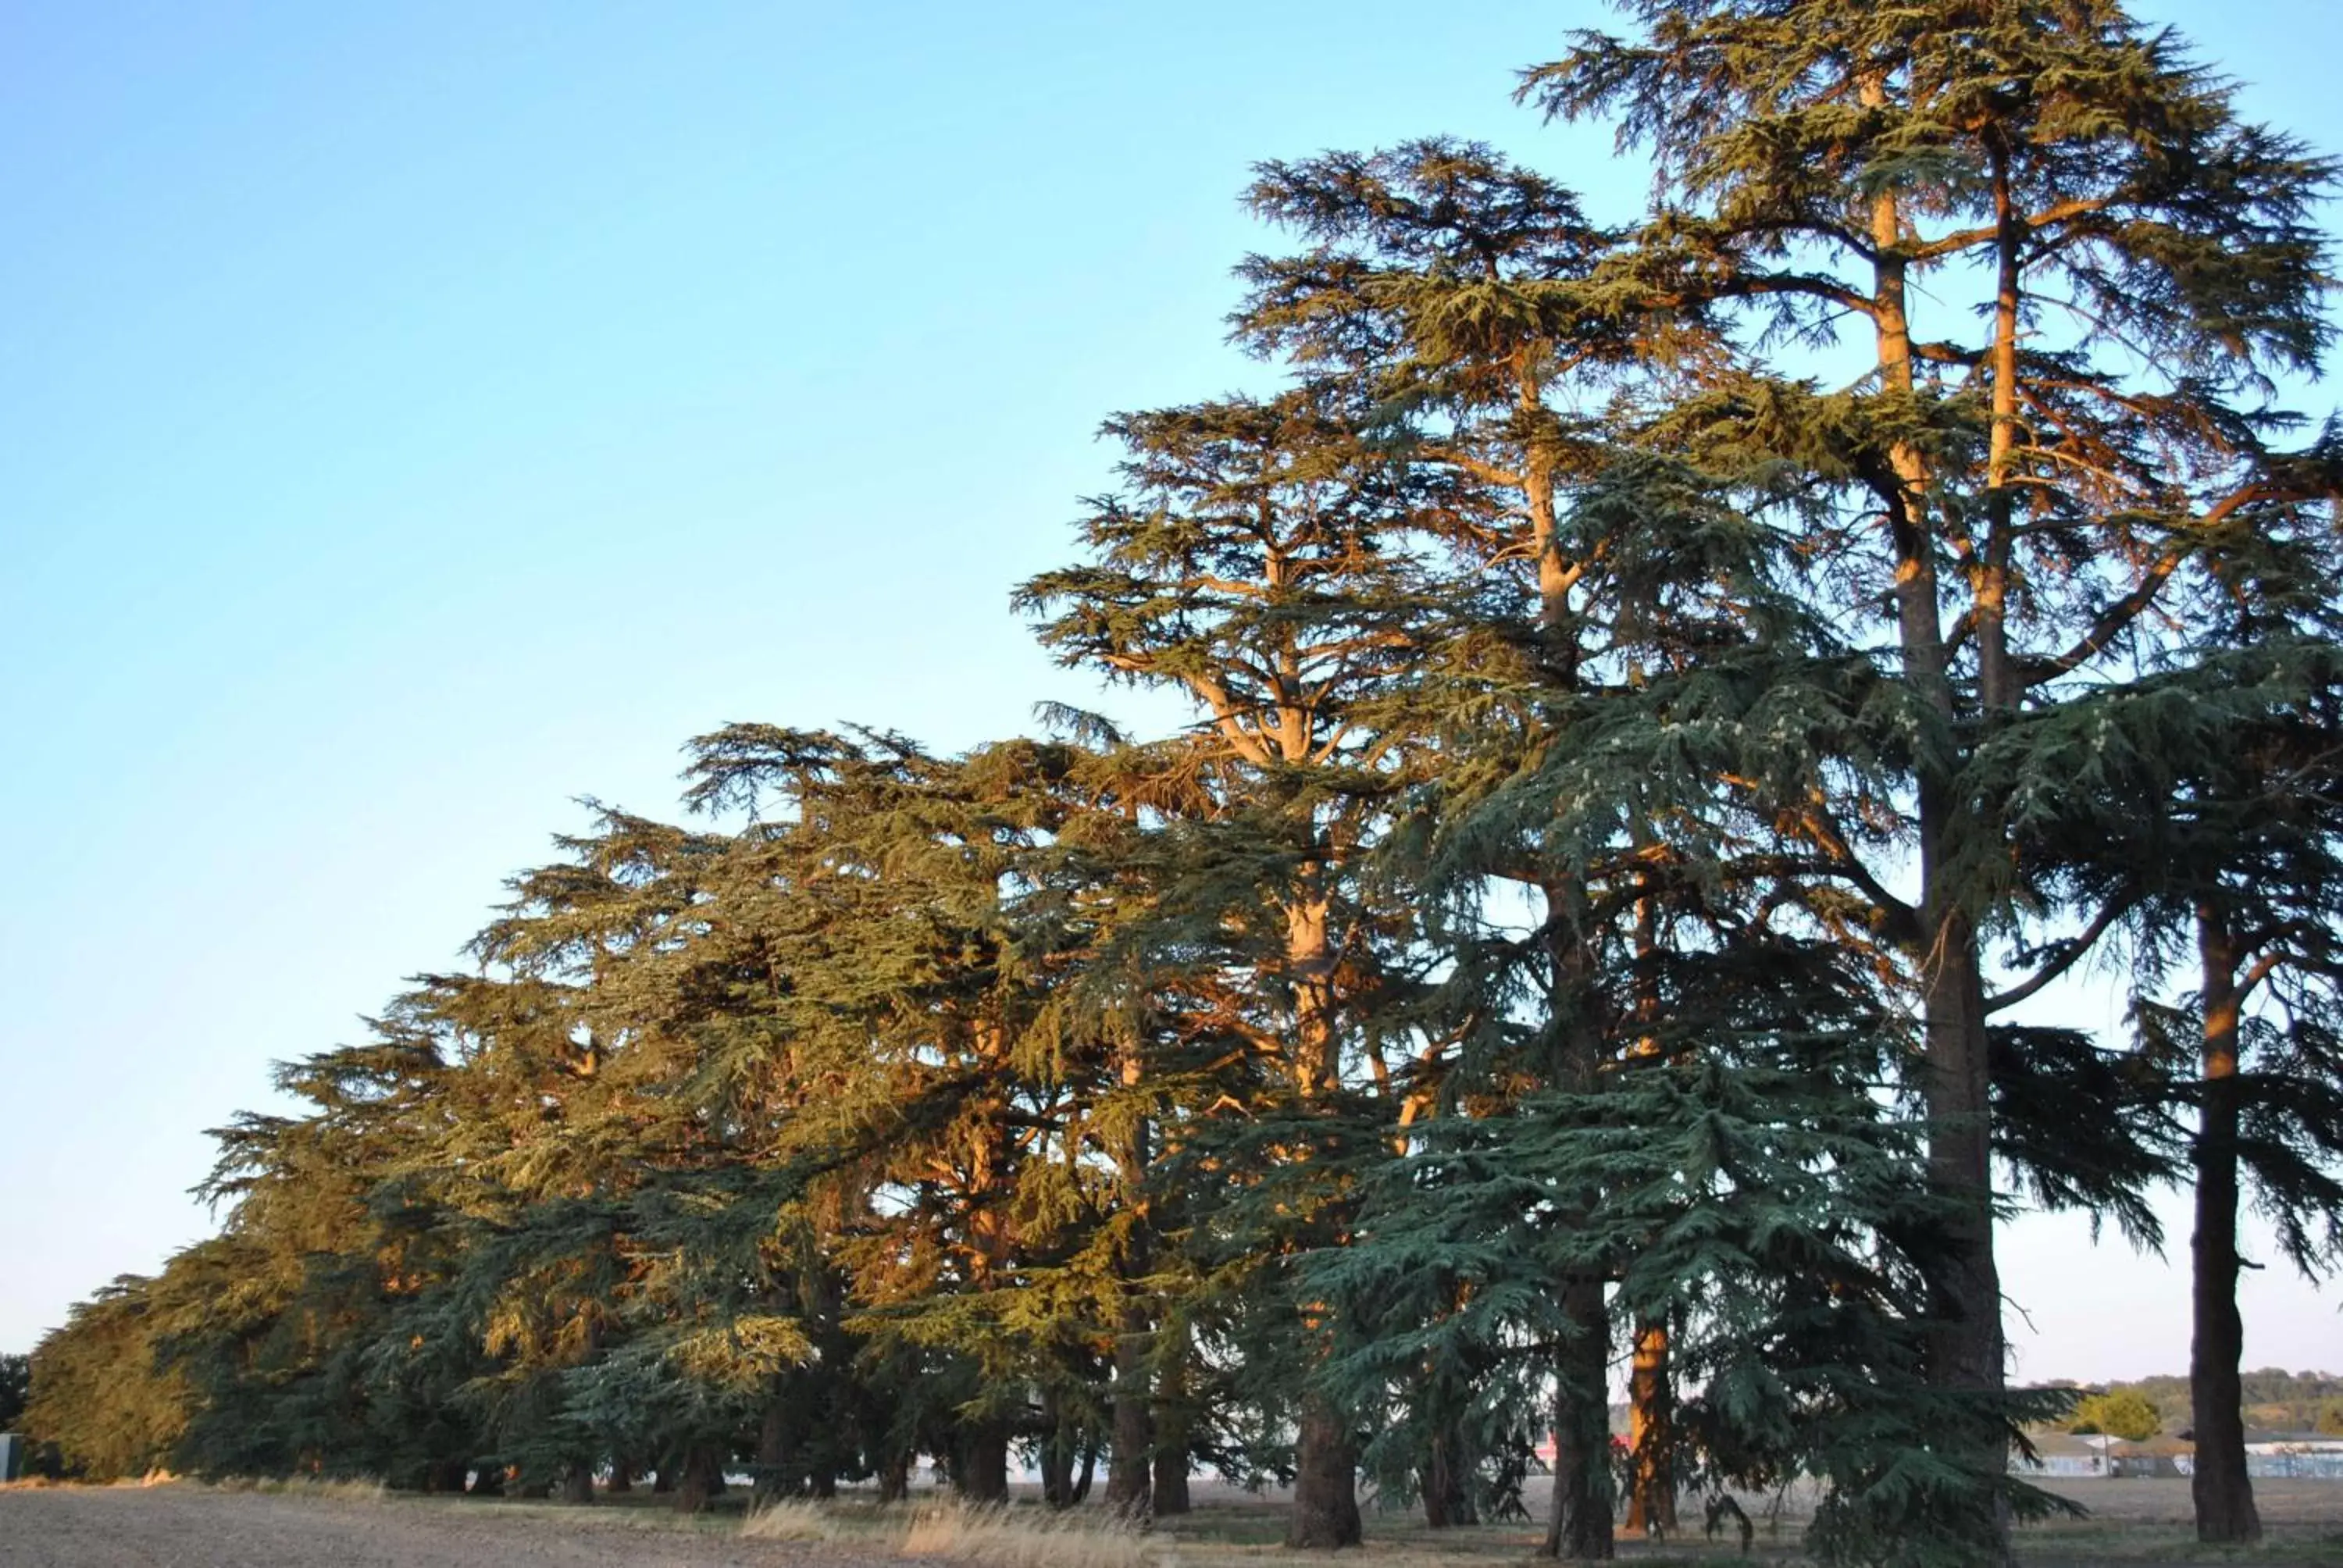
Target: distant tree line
(2274, 1401)
(1662, 698)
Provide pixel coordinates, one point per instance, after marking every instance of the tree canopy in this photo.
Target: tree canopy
(1659, 700)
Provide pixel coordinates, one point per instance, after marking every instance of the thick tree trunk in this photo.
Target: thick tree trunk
(772, 1458)
(1325, 1480)
(447, 1475)
(2222, 1491)
(1057, 1471)
(1057, 1451)
(1325, 1486)
(982, 1475)
(895, 1478)
(1966, 1353)
(578, 1482)
(622, 1473)
(1170, 1424)
(1171, 1468)
(1127, 1472)
(1580, 1528)
(703, 1477)
(1965, 1350)
(1650, 1412)
(1446, 1479)
(663, 1477)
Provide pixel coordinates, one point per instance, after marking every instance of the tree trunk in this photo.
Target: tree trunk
(895, 1478)
(1325, 1484)
(622, 1473)
(772, 1436)
(1446, 1481)
(1170, 1424)
(447, 1475)
(703, 1477)
(1325, 1480)
(1966, 1354)
(1997, 688)
(663, 1477)
(1581, 1526)
(1057, 1451)
(2222, 1491)
(578, 1482)
(1309, 967)
(1650, 1412)
(1126, 1471)
(982, 1475)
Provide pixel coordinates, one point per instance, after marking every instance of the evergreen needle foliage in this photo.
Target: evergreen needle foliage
(1660, 698)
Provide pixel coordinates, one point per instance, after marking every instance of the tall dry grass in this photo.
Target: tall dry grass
(303, 1486)
(995, 1536)
(794, 1519)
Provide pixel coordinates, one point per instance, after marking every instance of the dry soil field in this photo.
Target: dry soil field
(2134, 1524)
(193, 1527)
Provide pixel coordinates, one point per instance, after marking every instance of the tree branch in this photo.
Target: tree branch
(2068, 951)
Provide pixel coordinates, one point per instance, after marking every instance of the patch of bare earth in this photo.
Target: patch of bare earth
(2133, 1524)
(2142, 1521)
(197, 1527)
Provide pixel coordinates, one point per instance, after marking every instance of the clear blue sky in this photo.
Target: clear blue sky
(419, 415)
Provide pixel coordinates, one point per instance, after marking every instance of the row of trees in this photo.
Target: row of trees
(1664, 698)
(2276, 1400)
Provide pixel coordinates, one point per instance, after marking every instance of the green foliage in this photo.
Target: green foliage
(2119, 1413)
(16, 1389)
(2273, 1399)
(98, 1393)
(1629, 774)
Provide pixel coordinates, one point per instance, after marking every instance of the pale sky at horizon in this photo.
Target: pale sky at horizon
(422, 415)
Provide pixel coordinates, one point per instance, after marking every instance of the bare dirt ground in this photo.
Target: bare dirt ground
(2141, 1519)
(2134, 1523)
(2284, 1504)
(193, 1527)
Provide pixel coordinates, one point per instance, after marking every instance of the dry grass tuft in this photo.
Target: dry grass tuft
(989, 1537)
(794, 1519)
(1001, 1537)
(304, 1486)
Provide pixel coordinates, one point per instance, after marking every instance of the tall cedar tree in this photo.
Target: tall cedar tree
(1248, 570)
(2202, 801)
(920, 998)
(2018, 496)
(1454, 287)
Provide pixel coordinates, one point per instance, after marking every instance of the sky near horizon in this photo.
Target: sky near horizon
(421, 417)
